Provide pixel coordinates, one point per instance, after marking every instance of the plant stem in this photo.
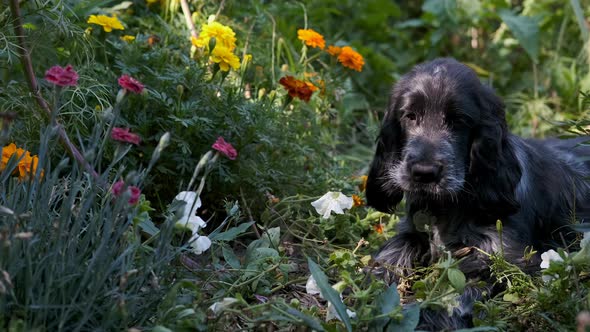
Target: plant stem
(25, 58)
(188, 18)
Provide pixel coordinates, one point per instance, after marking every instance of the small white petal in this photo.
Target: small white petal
(193, 202)
(550, 256)
(547, 278)
(218, 307)
(200, 243)
(311, 287)
(193, 223)
(331, 313)
(332, 201)
(585, 240)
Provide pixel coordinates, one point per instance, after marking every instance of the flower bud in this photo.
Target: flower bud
(120, 95)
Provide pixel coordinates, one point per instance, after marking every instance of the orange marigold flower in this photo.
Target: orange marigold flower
(27, 164)
(357, 200)
(334, 50)
(378, 228)
(351, 59)
(297, 88)
(7, 152)
(363, 184)
(311, 38)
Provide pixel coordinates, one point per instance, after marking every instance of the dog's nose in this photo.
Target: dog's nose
(426, 173)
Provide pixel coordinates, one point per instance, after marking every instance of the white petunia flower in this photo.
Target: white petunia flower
(332, 313)
(550, 256)
(218, 307)
(199, 243)
(585, 240)
(332, 201)
(193, 202)
(311, 287)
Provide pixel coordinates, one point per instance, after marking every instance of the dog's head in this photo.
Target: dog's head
(444, 134)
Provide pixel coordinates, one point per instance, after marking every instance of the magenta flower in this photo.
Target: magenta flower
(123, 135)
(135, 194)
(62, 76)
(225, 148)
(117, 190)
(129, 83)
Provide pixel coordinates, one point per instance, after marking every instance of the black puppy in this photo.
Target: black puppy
(445, 146)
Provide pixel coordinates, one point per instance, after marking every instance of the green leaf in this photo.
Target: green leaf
(308, 320)
(231, 233)
(329, 293)
(511, 297)
(273, 236)
(525, 29)
(161, 328)
(479, 329)
(385, 303)
(441, 9)
(457, 279)
(230, 257)
(411, 318)
(261, 253)
(581, 227)
(147, 226)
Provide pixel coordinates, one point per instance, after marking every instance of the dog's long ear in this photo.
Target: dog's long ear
(382, 193)
(494, 168)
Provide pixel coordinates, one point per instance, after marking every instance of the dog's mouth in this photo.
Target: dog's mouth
(426, 188)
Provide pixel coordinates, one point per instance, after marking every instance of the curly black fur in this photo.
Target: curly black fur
(445, 146)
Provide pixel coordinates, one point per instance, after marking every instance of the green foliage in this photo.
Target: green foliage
(76, 257)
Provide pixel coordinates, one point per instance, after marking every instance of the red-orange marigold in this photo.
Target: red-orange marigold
(297, 88)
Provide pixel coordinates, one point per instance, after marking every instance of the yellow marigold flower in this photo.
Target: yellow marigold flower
(7, 152)
(311, 38)
(224, 36)
(357, 200)
(128, 38)
(334, 50)
(107, 23)
(351, 59)
(225, 58)
(194, 41)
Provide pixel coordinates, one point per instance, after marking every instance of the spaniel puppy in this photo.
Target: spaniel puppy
(444, 145)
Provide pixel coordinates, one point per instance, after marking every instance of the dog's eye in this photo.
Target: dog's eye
(410, 116)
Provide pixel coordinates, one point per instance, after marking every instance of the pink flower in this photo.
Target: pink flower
(224, 147)
(129, 83)
(123, 135)
(117, 190)
(62, 76)
(135, 194)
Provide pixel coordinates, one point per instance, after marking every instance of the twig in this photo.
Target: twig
(25, 58)
(188, 18)
(221, 5)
